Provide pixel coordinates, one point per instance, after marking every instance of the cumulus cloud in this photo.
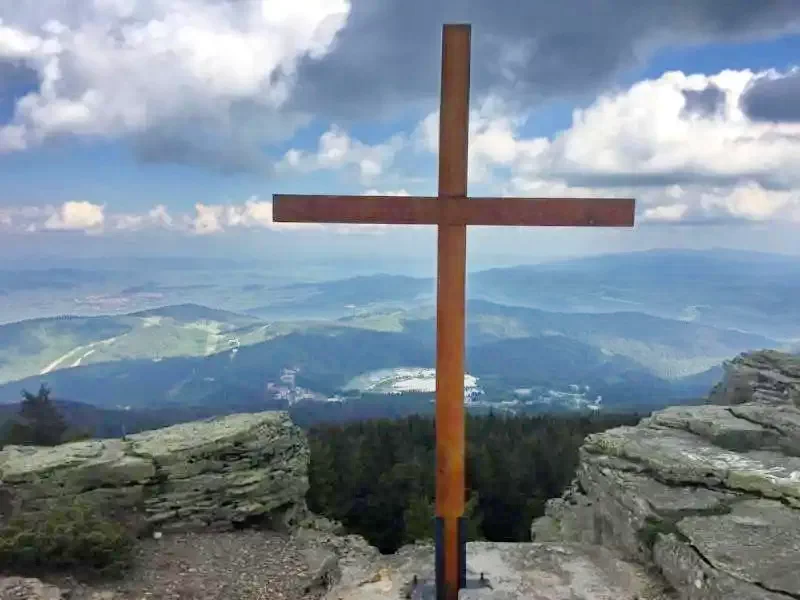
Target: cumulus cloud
(204, 219)
(157, 217)
(665, 212)
(494, 138)
(681, 144)
(773, 97)
(114, 67)
(645, 135)
(252, 214)
(695, 204)
(337, 150)
(375, 192)
(77, 216)
(212, 82)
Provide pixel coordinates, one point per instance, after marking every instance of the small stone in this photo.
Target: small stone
(157, 535)
(19, 588)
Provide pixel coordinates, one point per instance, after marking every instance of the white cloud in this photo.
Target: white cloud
(117, 67)
(374, 192)
(160, 217)
(679, 144)
(128, 222)
(77, 216)
(156, 218)
(337, 150)
(665, 212)
(694, 203)
(22, 217)
(204, 219)
(256, 213)
(493, 138)
(650, 134)
(208, 219)
(16, 44)
(252, 214)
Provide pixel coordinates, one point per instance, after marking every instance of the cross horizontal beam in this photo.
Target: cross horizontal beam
(427, 210)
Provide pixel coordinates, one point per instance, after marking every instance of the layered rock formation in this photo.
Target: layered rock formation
(710, 495)
(200, 475)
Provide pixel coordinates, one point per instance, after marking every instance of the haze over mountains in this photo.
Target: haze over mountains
(617, 331)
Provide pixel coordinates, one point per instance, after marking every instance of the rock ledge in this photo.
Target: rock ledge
(709, 495)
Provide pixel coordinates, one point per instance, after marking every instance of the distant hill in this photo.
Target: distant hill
(754, 292)
(329, 357)
(728, 289)
(333, 299)
(15, 280)
(40, 346)
(190, 313)
(667, 348)
(645, 327)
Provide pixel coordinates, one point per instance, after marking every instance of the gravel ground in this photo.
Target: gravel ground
(242, 565)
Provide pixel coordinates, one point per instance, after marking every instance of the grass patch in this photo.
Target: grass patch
(73, 537)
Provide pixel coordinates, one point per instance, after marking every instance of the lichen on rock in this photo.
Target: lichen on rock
(204, 474)
(709, 495)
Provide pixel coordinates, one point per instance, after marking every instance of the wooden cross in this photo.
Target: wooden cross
(451, 211)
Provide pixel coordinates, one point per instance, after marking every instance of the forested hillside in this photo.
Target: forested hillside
(377, 477)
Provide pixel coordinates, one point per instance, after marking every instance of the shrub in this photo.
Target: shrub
(74, 537)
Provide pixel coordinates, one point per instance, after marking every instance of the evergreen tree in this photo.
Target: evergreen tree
(39, 422)
(418, 520)
(377, 477)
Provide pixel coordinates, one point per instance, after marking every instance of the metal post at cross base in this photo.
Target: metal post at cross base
(451, 211)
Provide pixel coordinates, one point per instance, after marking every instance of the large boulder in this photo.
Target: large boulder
(765, 377)
(708, 494)
(212, 473)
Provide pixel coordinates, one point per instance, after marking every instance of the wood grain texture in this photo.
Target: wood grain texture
(426, 210)
(450, 297)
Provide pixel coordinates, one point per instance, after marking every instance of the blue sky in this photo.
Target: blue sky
(144, 127)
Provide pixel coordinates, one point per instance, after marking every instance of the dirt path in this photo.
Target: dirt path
(244, 565)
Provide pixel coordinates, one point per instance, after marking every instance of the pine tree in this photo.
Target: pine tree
(418, 519)
(39, 422)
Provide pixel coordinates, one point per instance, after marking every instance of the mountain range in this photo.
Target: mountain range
(640, 330)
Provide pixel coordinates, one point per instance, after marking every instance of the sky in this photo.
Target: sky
(164, 127)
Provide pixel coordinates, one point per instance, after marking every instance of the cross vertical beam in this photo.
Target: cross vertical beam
(450, 310)
(452, 211)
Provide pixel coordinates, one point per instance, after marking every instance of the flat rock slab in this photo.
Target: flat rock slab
(73, 468)
(759, 542)
(514, 571)
(681, 457)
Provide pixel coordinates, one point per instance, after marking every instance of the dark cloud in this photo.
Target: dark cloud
(704, 103)
(681, 176)
(387, 57)
(231, 145)
(773, 99)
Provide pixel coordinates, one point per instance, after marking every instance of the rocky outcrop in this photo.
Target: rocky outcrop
(710, 495)
(766, 377)
(200, 475)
